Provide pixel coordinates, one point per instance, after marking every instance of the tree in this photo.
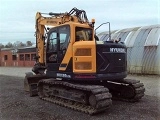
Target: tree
(22, 44)
(18, 44)
(29, 43)
(9, 45)
(1, 45)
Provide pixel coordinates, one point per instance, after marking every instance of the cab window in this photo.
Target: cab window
(59, 35)
(83, 34)
(53, 41)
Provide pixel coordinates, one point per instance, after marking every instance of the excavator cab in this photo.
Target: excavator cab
(60, 45)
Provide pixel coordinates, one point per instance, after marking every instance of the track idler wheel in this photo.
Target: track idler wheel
(128, 92)
(100, 101)
(42, 92)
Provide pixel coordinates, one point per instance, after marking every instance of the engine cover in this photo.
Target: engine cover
(111, 57)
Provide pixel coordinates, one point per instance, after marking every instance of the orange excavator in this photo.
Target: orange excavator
(76, 70)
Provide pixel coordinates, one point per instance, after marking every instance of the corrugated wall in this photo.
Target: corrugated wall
(143, 48)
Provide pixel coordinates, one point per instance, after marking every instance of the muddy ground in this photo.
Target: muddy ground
(15, 104)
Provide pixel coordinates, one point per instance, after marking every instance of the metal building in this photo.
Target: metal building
(143, 48)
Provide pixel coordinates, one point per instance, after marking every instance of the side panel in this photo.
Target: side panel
(111, 58)
(84, 57)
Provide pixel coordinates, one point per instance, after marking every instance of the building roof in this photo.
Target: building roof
(20, 49)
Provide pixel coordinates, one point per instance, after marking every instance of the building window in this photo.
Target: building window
(5, 57)
(14, 57)
(27, 57)
(21, 57)
(33, 57)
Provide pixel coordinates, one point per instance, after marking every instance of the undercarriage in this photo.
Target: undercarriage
(91, 97)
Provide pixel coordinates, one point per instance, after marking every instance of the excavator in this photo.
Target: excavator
(75, 69)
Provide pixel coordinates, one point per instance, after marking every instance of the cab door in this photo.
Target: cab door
(57, 43)
(51, 50)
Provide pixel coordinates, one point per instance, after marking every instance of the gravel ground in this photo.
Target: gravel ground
(15, 104)
(14, 71)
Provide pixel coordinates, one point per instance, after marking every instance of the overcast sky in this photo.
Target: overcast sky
(17, 17)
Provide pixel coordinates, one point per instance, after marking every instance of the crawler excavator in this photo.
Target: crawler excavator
(76, 70)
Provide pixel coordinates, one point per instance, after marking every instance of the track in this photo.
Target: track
(126, 90)
(90, 99)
